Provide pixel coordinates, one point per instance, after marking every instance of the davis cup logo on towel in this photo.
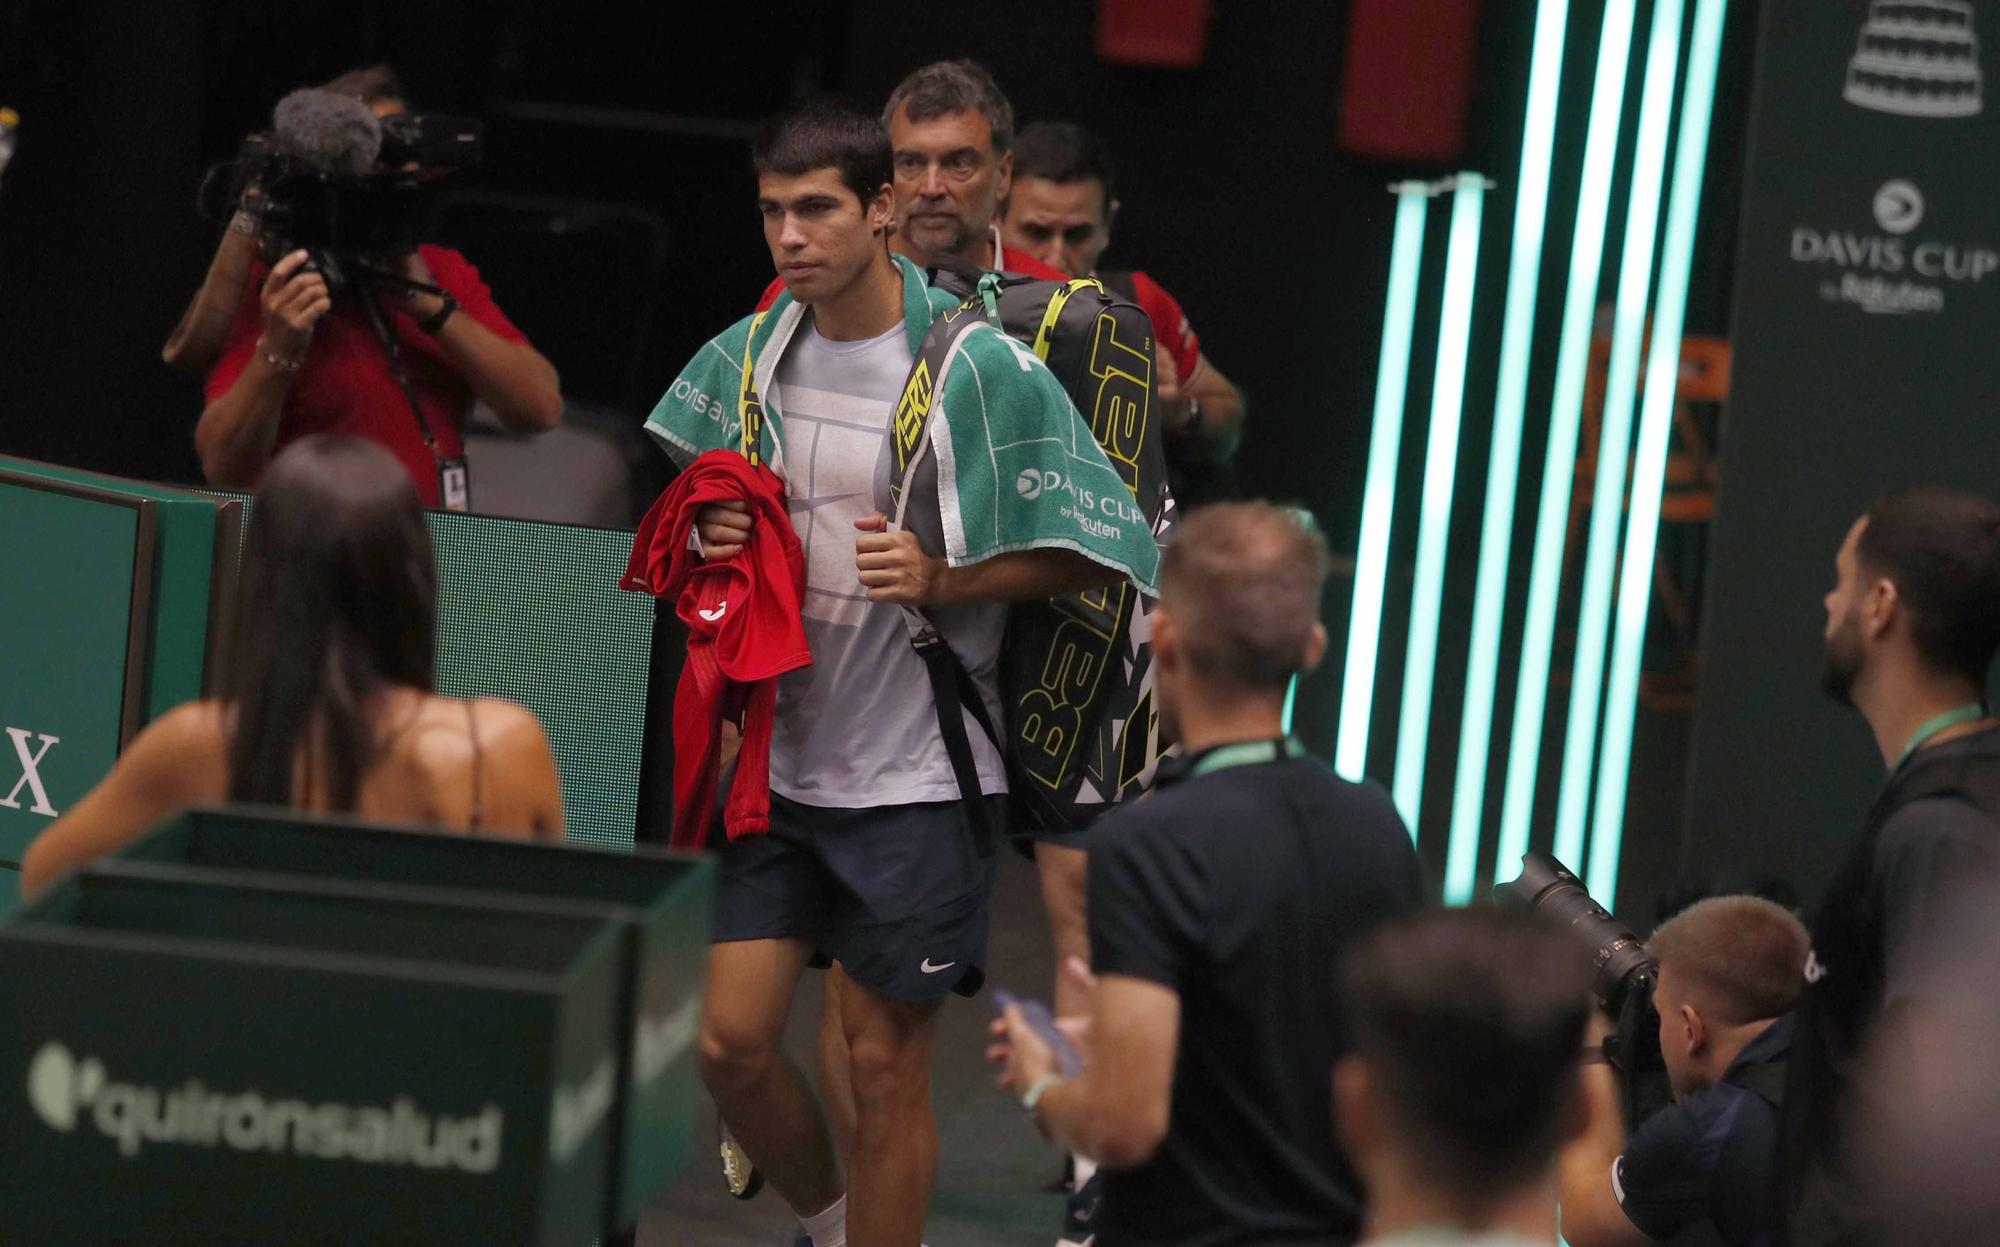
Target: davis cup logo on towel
(1917, 58)
(68, 1093)
(1893, 272)
(1097, 514)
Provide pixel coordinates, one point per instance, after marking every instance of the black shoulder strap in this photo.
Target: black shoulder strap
(909, 429)
(952, 691)
(954, 695)
(953, 274)
(1767, 1080)
(1969, 775)
(1123, 282)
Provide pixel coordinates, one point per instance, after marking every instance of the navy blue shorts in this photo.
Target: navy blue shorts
(896, 894)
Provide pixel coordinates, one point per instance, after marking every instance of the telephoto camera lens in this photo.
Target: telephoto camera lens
(1621, 959)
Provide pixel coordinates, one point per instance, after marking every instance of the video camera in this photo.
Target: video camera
(342, 184)
(1626, 977)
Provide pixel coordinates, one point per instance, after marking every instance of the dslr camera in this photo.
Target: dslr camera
(1626, 976)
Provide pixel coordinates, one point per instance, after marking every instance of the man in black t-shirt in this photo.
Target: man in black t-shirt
(1219, 910)
(1729, 973)
(1913, 621)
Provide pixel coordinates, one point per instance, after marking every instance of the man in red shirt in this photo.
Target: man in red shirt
(1063, 201)
(300, 360)
(951, 132)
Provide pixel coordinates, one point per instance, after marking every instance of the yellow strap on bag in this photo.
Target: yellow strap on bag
(749, 404)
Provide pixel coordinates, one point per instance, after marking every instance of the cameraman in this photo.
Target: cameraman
(301, 358)
(1730, 968)
(197, 340)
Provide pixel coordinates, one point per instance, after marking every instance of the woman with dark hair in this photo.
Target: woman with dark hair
(326, 700)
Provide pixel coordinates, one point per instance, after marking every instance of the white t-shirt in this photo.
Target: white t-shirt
(858, 728)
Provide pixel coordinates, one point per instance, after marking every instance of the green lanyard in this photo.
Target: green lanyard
(1248, 753)
(1943, 723)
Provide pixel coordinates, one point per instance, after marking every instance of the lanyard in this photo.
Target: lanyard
(1249, 753)
(1943, 723)
(386, 334)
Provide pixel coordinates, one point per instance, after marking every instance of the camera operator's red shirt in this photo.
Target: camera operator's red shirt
(345, 385)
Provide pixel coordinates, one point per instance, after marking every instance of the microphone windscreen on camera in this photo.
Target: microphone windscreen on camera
(333, 133)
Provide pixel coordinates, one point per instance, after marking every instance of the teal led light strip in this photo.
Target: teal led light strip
(1607, 106)
(1503, 469)
(1371, 564)
(1649, 469)
(1607, 507)
(1306, 521)
(1461, 270)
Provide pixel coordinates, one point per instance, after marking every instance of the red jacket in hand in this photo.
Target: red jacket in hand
(744, 631)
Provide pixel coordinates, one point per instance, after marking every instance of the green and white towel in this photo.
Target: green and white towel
(1008, 463)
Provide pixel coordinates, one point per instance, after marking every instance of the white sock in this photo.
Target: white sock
(828, 1228)
(1084, 1167)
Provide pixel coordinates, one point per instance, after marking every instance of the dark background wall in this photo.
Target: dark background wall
(1832, 406)
(1235, 197)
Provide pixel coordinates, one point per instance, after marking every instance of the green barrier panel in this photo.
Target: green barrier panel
(71, 651)
(194, 575)
(662, 898)
(207, 1063)
(532, 612)
(107, 624)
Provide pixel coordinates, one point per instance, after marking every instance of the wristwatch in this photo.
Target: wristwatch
(435, 321)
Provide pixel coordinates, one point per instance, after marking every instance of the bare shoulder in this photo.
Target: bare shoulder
(527, 791)
(180, 758)
(509, 725)
(440, 730)
(191, 733)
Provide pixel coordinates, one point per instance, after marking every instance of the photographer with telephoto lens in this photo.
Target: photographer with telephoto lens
(343, 323)
(1700, 1019)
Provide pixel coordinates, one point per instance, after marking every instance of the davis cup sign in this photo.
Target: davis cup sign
(1892, 269)
(1866, 305)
